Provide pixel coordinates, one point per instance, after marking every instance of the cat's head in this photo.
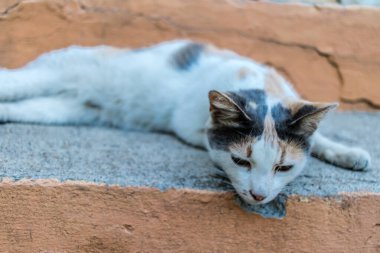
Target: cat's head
(261, 146)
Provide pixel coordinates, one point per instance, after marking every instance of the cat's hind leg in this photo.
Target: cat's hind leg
(338, 154)
(28, 82)
(48, 110)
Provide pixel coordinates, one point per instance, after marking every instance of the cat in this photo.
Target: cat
(250, 119)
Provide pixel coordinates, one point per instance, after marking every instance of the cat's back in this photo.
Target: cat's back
(158, 80)
(144, 86)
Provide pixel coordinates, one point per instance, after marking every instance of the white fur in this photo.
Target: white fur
(140, 89)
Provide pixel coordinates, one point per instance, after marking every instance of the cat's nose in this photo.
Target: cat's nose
(256, 196)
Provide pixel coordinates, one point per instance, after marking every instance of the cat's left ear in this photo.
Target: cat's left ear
(225, 111)
(307, 116)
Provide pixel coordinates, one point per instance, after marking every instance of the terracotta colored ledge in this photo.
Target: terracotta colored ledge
(69, 217)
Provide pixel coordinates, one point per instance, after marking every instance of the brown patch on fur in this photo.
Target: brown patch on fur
(211, 49)
(293, 150)
(249, 151)
(92, 105)
(243, 147)
(243, 73)
(283, 152)
(273, 85)
(295, 106)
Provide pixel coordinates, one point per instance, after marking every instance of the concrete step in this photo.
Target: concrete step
(88, 189)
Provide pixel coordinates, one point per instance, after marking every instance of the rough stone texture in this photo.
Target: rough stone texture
(329, 53)
(111, 156)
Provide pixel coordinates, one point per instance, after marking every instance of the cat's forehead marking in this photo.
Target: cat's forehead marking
(269, 133)
(243, 148)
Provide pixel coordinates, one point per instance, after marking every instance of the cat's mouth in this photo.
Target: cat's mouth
(225, 182)
(271, 207)
(276, 208)
(254, 200)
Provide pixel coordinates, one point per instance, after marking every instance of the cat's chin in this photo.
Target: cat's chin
(254, 202)
(276, 208)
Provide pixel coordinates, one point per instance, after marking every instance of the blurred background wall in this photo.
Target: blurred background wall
(329, 52)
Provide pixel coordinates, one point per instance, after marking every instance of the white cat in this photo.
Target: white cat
(252, 122)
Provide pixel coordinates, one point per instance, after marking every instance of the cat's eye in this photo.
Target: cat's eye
(282, 168)
(241, 162)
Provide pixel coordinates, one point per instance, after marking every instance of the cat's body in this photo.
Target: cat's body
(167, 88)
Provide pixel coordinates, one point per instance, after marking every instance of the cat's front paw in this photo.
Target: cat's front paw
(352, 158)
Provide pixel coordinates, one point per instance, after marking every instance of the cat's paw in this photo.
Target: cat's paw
(351, 158)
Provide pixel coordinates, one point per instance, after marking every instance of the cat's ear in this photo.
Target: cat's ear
(225, 111)
(307, 116)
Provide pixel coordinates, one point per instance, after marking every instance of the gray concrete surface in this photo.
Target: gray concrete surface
(149, 159)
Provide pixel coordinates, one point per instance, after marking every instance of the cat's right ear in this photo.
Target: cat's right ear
(225, 111)
(307, 117)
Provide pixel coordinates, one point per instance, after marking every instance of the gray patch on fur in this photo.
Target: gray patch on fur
(223, 137)
(257, 115)
(188, 56)
(280, 115)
